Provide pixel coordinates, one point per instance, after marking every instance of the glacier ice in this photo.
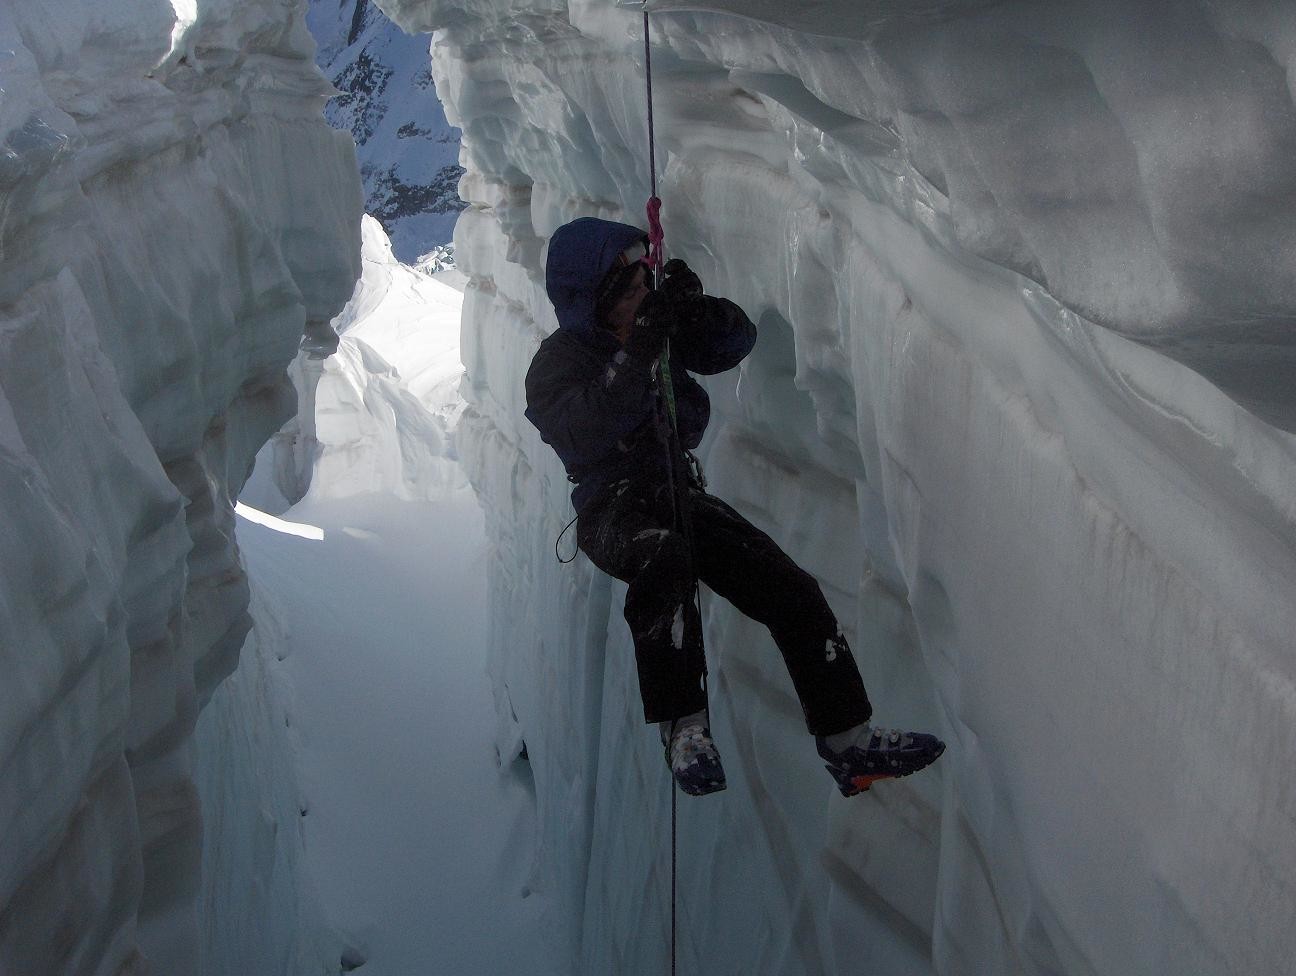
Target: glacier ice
(173, 213)
(1022, 402)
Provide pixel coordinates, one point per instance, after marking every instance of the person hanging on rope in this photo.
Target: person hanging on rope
(593, 392)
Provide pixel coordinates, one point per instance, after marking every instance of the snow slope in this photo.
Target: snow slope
(364, 424)
(174, 212)
(1021, 401)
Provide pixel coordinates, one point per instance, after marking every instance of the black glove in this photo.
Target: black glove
(654, 321)
(681, 288)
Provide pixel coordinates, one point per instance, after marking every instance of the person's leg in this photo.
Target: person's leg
(627, 534)
(746, 567)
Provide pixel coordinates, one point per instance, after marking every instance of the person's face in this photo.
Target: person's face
(622, 315)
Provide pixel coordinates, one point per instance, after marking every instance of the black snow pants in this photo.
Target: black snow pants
(627, 531)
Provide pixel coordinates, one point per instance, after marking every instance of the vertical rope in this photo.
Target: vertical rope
(655, 233)
(655, 238)
(674, 857)
(652, 148)
(678, 483)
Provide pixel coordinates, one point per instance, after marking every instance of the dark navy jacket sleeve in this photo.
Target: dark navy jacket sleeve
(583, 417)
(718, 340)
(692, 408)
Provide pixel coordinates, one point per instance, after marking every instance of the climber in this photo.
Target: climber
(593, 393)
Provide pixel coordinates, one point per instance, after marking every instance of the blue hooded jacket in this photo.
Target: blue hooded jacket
(593, 404)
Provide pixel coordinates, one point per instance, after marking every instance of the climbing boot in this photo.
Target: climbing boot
(865, 755)
(692, 756)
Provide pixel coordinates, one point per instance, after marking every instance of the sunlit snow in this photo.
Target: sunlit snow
(299, 529)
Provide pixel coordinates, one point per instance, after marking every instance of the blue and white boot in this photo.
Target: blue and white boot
(859, 757)
(691, 755)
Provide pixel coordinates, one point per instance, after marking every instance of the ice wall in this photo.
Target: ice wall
(174, 213)
(1020, 401)
(260, 906)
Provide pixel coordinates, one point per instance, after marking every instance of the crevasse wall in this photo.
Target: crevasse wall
(1020, 401)
(173, 214)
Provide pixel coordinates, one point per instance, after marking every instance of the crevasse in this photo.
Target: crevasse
(1021, 401)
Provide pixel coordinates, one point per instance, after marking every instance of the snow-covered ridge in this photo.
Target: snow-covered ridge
(1070, 552)
(365, 427)
(174, 213)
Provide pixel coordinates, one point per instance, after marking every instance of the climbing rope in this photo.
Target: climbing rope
(674, 858)
(655, 233)
(678, 480)
(655, 238)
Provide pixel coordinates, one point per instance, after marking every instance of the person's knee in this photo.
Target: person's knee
(794, 584)
(798, 598)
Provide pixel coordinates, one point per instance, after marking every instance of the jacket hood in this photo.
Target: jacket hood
(580, 254)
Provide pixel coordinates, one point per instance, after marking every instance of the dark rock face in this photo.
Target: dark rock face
(361, 106)
(391, 198)
(408, 152)
(358, 21)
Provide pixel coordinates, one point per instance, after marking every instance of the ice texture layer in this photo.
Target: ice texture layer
(1021, 402)
(173, 212)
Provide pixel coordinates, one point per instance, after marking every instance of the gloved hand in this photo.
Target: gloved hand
(654, 321)
(681, 288)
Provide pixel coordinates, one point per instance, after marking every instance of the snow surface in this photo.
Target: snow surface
(1021, 401)
(174, 213)
(419, 844)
